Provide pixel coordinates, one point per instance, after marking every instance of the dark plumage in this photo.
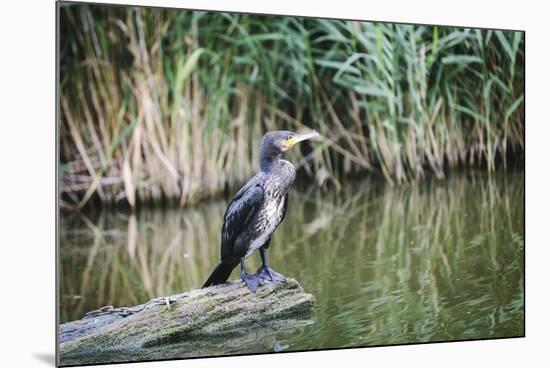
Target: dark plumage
(256, 211)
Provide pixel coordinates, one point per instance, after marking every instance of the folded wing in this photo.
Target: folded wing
(238, 215)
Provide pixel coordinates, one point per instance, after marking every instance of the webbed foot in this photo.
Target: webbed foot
(267, 273)
(252, 281)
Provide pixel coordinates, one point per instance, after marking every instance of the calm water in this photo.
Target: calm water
(442, 260)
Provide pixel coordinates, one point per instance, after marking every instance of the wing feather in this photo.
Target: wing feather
(238, 215)
(285, 206)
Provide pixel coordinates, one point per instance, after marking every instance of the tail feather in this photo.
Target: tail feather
(220, 274)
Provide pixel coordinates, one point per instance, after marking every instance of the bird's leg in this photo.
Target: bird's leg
(252, 281)
(265, 272)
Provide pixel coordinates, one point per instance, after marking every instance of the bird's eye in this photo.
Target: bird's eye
(288, 138)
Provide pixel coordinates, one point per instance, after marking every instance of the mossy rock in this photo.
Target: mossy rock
(214, 321)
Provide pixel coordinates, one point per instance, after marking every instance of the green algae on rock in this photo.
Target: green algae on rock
(211, 321)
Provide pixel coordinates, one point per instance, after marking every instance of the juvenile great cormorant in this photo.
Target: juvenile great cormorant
(256, 211)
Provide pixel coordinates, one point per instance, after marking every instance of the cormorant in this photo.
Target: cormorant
(256, 211)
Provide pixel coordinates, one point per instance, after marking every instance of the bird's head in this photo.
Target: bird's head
(281, 140)
(276, 142)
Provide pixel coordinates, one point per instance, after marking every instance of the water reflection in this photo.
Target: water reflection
(435, 261)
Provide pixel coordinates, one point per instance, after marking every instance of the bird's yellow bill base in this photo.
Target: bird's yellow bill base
(301, 137)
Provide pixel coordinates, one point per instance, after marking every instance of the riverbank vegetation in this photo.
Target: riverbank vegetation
(160, 105)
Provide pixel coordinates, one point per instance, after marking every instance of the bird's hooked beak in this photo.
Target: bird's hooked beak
(301, 137)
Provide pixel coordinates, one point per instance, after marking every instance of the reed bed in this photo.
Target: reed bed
(170, 105)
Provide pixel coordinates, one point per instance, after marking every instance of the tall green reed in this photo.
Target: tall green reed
(164, 105)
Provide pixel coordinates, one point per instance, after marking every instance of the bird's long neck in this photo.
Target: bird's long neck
(268, 157)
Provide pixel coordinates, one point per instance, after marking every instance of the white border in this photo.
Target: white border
(27, 181)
